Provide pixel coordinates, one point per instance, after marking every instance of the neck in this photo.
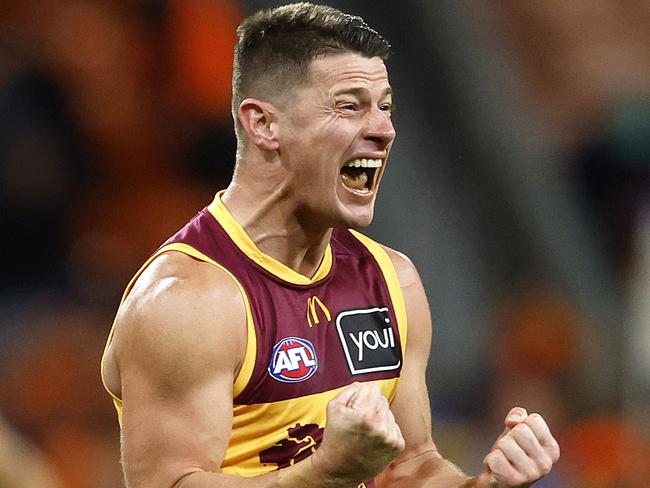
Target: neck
(263, 206)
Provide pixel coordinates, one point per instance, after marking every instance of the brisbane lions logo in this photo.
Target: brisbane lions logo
(300, 444)
(293, 360)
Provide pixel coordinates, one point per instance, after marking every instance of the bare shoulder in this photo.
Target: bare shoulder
(183, 317)
(404, 267)
(417, 306)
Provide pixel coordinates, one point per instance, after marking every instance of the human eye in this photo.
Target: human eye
(387, 107)
(347, 105)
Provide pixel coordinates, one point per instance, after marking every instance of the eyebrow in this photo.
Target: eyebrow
(358, 91)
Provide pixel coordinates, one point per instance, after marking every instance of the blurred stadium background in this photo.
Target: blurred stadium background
(519, 185)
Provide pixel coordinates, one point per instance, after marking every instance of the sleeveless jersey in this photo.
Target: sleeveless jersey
(307, 338)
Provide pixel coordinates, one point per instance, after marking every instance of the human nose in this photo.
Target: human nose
(380, 128)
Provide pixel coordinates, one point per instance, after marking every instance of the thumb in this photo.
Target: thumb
(346, 396)
(515, 416)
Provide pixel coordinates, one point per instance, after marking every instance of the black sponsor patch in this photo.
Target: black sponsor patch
(369, 341)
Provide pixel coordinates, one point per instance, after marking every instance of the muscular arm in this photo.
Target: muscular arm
(522, 454)
(178, 343)
(420, 464)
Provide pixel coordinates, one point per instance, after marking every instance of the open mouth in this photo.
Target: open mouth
(359, 174)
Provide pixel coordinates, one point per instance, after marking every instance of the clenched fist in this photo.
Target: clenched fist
(361, 436)
(524, 453)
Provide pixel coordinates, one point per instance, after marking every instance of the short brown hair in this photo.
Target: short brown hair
(275, 47)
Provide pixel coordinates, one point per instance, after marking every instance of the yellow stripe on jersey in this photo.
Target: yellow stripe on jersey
(259, 426)
(236, 232)
(246, 370)
(394, 288)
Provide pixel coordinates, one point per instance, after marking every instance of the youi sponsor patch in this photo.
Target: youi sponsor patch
(293, 360)
(368, 340)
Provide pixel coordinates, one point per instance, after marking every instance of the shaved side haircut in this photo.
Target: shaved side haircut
(276, 47)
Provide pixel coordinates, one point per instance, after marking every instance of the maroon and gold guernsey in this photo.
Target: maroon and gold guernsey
(308, 338)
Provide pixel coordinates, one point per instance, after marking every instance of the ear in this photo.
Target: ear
(258, 120)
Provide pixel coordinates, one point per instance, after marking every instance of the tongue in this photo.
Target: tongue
(356, 181)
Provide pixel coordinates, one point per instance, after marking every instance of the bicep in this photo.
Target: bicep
(171, 431)
(177, 357)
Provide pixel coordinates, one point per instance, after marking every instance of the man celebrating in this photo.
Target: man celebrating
(266, 344)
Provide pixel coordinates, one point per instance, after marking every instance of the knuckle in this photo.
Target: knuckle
(498, 467)
(503, 443)
(489, 457)
(530, 469)
(395, 445)
(555, 451)
(496, 461)
(489, 461)
(545, 465)
(401, 444)
(382, 406)
(532, 472)
(334, 411)
(535, 419)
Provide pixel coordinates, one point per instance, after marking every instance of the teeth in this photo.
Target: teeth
(364, 163)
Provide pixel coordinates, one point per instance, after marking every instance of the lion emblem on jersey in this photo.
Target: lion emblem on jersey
(300, 444)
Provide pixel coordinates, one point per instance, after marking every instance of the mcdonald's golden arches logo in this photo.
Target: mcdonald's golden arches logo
(313, 315)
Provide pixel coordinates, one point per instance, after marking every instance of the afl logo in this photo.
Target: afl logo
(293, 360)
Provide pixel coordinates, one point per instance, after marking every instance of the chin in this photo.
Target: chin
(354, 210)
(357, 218)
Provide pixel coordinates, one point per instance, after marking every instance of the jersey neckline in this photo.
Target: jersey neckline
(242, 240)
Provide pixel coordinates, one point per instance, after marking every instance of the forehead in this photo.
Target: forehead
(340, 70)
